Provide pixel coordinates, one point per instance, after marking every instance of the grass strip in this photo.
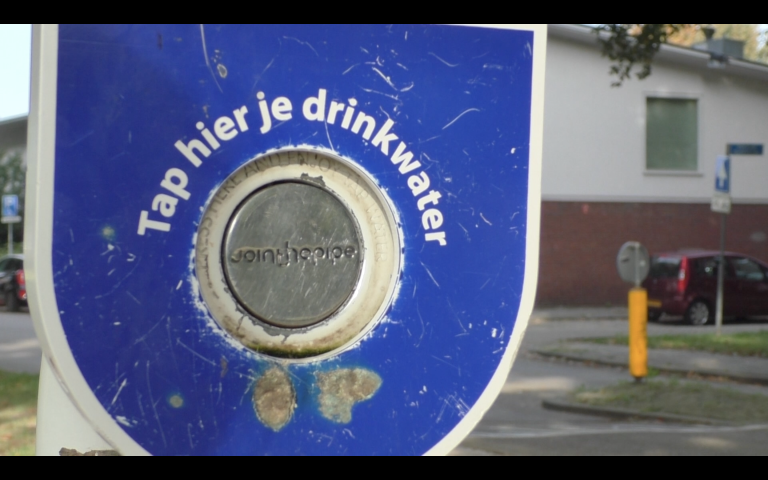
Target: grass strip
(18, 248)
(680, 398)
(18, 413)
(748, 344)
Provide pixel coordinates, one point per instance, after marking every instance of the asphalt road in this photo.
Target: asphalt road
(19, 349)
(518, 425)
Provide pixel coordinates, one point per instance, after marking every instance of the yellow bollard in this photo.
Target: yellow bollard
(638, 333)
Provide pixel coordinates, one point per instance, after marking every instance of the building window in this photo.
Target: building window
(672, 134)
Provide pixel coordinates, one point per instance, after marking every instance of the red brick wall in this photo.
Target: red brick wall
(580, 241)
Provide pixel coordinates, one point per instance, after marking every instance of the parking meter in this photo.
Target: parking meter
(284, 239)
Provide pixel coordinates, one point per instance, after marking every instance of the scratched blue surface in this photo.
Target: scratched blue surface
(460, 98)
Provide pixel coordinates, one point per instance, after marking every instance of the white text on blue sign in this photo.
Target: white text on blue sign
(314, 108)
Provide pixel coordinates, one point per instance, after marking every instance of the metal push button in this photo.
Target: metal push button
(297, 255)
(292, 254)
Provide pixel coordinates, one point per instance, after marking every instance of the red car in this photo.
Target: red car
(685, 283)
(13, 287)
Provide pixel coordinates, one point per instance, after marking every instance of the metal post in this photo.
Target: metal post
(721, 276)
(638, 333)
(10, 239)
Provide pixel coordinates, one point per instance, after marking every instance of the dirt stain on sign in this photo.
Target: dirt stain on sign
(274, 398)
(341, 389)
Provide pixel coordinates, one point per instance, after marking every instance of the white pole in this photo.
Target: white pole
(59, 423)
(721, 276)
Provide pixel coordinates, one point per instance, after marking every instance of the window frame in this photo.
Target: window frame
(673, 96)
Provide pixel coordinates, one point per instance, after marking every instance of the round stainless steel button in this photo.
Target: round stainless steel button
(292, 254)
(297, 255)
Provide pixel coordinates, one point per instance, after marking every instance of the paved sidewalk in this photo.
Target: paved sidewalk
(19, 349)
(580, 313)
(743, 369)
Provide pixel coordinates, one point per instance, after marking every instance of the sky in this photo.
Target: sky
(15, 54)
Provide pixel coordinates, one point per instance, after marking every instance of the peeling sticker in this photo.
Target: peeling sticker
(274, 399)
(69, 452)
(341, 389)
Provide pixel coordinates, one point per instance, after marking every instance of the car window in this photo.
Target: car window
(706, 267)
(4, 264)
(14, 265)
(746, 269)
(665, 267)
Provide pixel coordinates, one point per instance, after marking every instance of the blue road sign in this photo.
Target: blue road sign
(745, 149)
(150, 121)
(723, 174)
(10, 205)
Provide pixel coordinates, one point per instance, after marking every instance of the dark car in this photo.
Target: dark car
(685, 283)
(13, 288)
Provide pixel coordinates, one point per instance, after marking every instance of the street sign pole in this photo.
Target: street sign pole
(721, 275)
(10, 215)
(722, 204)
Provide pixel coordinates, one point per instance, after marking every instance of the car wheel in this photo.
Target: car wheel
(11, 302)
(654, 315)
(698, 313)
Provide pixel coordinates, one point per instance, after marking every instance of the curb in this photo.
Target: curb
(565, 406)
(666, 369)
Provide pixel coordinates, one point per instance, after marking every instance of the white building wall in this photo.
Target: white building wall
(13, 137)
(594, 134)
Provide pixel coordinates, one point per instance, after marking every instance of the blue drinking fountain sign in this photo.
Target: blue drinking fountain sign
(723, 175)
(285, 239)
(10, 206)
